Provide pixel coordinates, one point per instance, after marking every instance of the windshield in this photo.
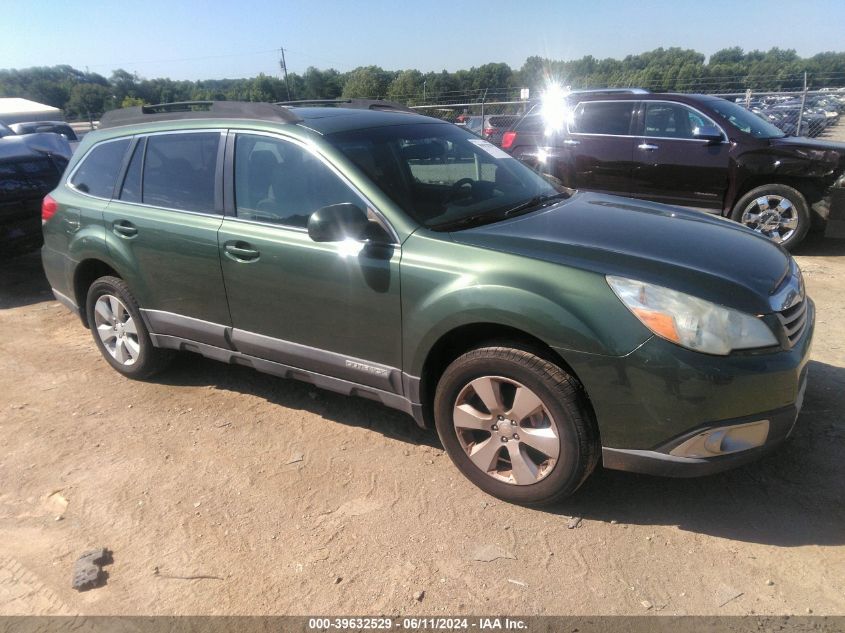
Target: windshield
(744, 120)
(443, 176)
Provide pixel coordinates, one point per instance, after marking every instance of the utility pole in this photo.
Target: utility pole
(284, 68)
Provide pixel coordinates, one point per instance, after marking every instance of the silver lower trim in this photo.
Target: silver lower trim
(724, 440)
(338, 385)
(66, 301)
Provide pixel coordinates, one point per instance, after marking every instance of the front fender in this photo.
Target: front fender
(447, 285)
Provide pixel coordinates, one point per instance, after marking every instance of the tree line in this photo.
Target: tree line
(82, 94)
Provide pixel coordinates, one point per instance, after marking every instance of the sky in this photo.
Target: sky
(214, 39)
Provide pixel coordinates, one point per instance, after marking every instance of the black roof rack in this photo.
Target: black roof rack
(197, 110)
(610, 91)
(358, 104)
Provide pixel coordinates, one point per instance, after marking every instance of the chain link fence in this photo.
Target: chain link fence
(809, 113)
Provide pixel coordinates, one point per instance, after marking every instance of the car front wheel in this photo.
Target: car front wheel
(777, 211)
(516, 425)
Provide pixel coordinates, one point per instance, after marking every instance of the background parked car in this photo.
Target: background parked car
(695, 151)
(30, 167)
(493, 126)
(54, 127)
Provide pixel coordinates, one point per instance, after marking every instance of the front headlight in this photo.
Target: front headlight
(689, 321)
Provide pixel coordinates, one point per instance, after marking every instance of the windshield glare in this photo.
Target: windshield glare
(440, 174)
(744, 120)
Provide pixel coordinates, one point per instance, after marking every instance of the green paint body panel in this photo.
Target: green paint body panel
(172, 264)
(390, 305)
(306, 293)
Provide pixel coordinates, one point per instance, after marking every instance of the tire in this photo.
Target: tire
(561, 422)
(784, 211)
(126, 346)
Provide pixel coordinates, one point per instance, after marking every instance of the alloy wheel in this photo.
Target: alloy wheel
(772, 215)
(506, 430)
(116, 329)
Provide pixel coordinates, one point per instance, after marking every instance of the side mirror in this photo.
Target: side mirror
(338, 222)
(708, 133)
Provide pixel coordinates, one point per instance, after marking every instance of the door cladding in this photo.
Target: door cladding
(189, 328)
(354, 369)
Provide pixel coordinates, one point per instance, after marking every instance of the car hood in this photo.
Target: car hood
(685, 250)
(826, 157)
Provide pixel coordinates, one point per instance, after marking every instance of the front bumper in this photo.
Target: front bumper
(832, 208)
(658, 397)
(661, 462)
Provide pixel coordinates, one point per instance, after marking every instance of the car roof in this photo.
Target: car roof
(649, 96)
(331, 120)
(330, 117)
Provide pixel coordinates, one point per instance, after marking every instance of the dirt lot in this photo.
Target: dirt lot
(221, 490)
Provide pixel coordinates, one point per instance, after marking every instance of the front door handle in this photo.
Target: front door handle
(647, 147)
(571, 142)
(241, 251)
(125, 228)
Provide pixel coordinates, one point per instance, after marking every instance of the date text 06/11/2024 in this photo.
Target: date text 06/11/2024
(417, 623)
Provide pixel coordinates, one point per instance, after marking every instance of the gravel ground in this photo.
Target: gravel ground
(221, 490)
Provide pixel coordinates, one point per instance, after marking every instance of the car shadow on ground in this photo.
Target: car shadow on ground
(191, 369)
(22, 281)
(816, 245)
(790, 498)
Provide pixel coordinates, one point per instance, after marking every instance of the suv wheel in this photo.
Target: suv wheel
(777, 211)
(515, 425)
(119, 330)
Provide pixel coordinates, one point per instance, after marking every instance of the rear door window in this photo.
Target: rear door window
(131, 191)
(97, 174)
(180, 171)
(602, 117)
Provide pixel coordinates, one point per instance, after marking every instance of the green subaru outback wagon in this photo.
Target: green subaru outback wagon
(391, 256)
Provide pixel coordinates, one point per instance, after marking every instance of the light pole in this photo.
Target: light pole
(424, 82)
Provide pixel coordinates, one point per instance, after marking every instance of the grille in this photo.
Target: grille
(794, 321)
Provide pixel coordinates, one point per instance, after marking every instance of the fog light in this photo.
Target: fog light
(724, 440)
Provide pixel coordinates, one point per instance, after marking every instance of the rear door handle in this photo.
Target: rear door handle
(241, 251)
(647, 147)
(125, 228)
(571, 142)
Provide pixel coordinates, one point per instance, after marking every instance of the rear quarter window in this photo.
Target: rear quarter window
(97, 173)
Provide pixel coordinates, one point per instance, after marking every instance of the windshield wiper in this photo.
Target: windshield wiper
(492, 216)
(535, 202)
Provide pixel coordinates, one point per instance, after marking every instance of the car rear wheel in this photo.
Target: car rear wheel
(516, 425)
(777, 211)
(119, 331)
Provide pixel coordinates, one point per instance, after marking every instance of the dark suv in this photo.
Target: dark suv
(399, 258)
(690, 150)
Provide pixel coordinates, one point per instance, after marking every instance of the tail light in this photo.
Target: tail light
(488, 131)
(508, 140)
(48, 209)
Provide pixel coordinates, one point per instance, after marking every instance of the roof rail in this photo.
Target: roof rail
(183, 110)
(611, 91)
(358, 104)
